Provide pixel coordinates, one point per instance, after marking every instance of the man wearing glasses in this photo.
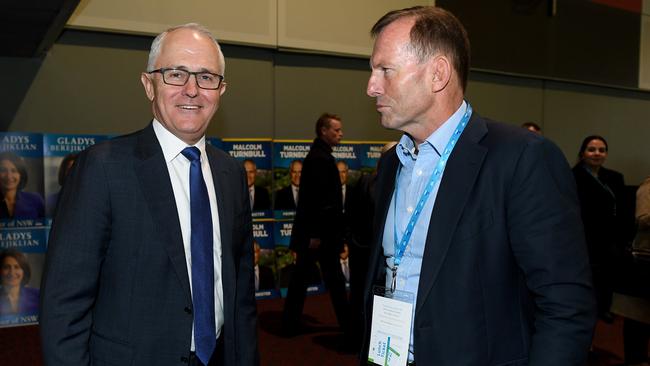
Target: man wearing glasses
(150, 258)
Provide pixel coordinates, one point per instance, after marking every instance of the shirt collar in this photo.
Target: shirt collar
(437, 141)
(172, 145)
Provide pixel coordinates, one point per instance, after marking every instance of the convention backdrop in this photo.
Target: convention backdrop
(33, 167)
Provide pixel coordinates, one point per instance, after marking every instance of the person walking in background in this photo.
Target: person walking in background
(603, 208)
(318, 228)
(150, 256)
(497, 273)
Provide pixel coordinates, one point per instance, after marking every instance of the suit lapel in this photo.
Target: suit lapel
(155, 184)
(457, 182)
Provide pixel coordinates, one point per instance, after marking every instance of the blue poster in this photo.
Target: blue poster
(287, 167)
(22, 254)
(60, 153)
(255, 155)
(286, 262)
(21, 179)
(265, 272)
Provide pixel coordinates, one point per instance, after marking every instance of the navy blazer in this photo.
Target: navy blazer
(505, 278)
(115, 286)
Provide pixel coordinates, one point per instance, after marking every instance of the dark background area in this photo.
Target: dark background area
(581, 40)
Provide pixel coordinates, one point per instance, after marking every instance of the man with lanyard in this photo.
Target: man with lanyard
(479, 259)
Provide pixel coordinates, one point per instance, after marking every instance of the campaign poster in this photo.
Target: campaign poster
(21, 180)
(287, 167)
(368, 155)
(22, 254)
(255, 155)
(265, 272)
(286, 262)
(60, 153)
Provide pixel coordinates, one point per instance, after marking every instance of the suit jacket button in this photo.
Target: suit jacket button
(188, 310)
(185, 359)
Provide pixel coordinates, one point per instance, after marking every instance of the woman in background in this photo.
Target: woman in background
(17, 204)
(15, 297)
(601, 194)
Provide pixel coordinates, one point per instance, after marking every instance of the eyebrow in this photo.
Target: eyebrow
(183, 67)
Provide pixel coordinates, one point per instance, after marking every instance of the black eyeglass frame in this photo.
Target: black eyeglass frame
(163, 70)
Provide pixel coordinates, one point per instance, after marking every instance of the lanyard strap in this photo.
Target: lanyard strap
(400, 246)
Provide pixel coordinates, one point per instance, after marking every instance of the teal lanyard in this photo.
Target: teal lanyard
(400, 245)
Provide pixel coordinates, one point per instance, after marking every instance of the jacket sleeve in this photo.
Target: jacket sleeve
(77, 243)
(547, 241)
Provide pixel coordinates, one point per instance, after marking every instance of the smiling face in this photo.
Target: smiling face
(11, 273)
(186, 110)
(399, 81)
(595, 153)
(9, 176)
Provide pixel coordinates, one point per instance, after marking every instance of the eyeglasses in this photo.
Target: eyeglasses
(179, 77)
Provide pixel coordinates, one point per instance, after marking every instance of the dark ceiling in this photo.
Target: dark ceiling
(28, 28)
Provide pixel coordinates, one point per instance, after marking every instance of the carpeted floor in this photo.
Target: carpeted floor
(317, 346)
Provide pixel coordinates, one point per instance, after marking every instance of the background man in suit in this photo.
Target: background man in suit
(497, 259)
(317, 233)
(287, 197)
(138, 271)
(259, 196)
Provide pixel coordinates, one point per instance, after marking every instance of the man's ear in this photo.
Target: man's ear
(148, 85)
(222, 88)
(441, 71)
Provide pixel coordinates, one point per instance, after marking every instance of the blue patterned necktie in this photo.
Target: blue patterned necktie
(205, 338)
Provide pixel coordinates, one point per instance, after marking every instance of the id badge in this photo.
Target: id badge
(390, 331)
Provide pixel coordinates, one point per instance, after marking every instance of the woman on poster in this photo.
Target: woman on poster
(16, 203)
(15, 297)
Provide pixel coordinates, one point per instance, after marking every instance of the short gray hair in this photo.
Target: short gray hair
(156, 45)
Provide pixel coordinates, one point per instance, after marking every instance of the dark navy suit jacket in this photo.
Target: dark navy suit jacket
(505, 278)
(115, 287)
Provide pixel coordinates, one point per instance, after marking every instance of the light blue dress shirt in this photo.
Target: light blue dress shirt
(413, 176)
